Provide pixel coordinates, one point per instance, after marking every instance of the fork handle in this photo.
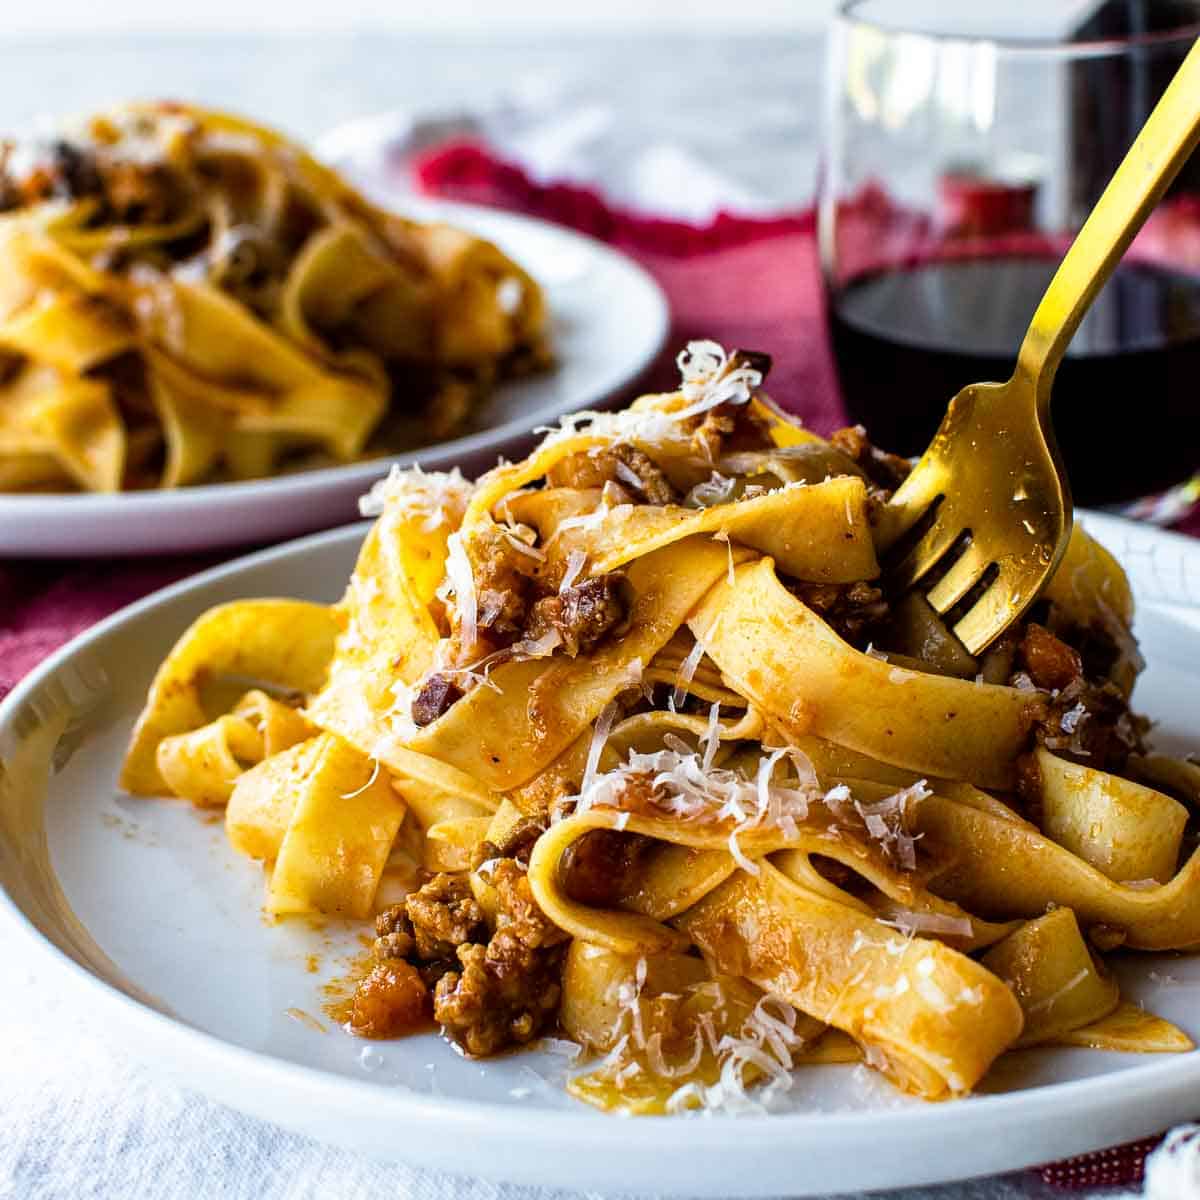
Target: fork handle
(1163, 146)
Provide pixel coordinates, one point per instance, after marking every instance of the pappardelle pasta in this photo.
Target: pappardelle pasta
(189, 297)
(625, 743)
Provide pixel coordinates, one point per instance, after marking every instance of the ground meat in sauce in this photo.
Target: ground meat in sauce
(597, 869)
(394, 936)
(632, 469)
(581, 615)
(1085, 720)
(502, 586)
(730, 429)
(139, 193)
(73, 171)
(1101, 656)
(490, 990)
(516, 844)
(1093, 725)
(444, 914)
(518, 914)
(128, 192)
(391, 1001)
(852, 610)
(503, 994)
(509, 608)
(507, 992)
(1048, 660)
(715, 426)
(434, 697)
(885, 471)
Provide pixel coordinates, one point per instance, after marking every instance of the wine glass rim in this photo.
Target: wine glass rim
(1010, 44)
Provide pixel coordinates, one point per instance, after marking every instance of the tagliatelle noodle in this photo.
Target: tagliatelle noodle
(802, 675)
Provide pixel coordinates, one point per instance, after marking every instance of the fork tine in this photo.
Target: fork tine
(927, 552)
(912, 500)
(960, 579)
(992, 612)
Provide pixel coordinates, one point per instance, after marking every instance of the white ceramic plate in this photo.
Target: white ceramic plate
(141, 908)
(609, 318)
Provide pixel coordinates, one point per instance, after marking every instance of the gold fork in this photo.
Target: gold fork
(993, 469)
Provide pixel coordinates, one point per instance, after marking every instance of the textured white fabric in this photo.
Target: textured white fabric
(1173, 1170)
(560, 134)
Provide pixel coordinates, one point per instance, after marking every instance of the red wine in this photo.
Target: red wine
(1126, 403)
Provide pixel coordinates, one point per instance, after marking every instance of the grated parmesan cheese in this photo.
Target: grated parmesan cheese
(459, 586)
(909, 921)
(687, 669)
(1051, 1000)
(436, 498)
(649, 426)
(709, 379)
(717, 489)
(521, 539)
(626, 474)
(590, 522)
(722, 536)
(600, 734)
(712, 737)
(1070, 719)
(735, 850)
(767, 1042)
(370, 782)
(576, 562)
(685, 785)
(886, 821)
(659, 1065)
(561, 1046)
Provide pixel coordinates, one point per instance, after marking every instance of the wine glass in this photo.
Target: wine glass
(964, 147)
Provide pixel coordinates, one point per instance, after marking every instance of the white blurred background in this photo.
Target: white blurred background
(470, 16)
(633, 92)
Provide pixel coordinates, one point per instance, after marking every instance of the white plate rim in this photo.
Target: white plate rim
(492, 1124)
(157, 503)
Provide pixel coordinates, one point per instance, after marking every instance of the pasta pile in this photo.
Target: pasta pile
(188, 297)
(623, 741)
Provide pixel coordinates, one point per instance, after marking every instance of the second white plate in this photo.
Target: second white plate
(610, 319)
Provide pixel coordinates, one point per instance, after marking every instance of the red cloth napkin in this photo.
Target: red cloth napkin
(747, 282)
